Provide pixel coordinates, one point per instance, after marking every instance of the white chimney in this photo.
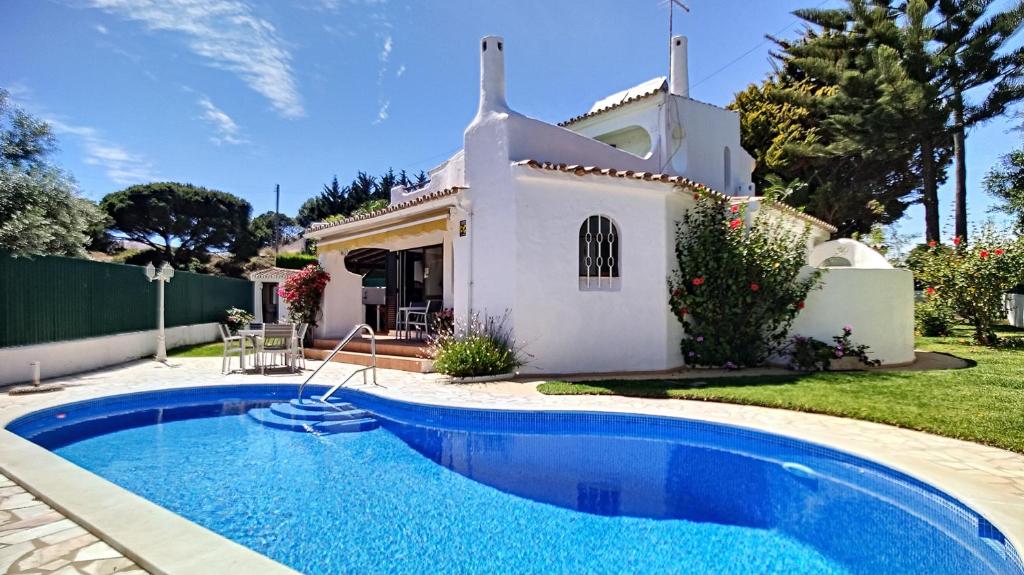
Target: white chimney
(679, 72)
(492, 75)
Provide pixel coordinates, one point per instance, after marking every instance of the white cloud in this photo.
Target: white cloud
(385, 52)
(229, 36)
(101, 29)
(400, 71)
(120, 165)
(382, 113)
(226, 128)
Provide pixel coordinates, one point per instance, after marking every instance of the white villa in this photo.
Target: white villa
(570, 229)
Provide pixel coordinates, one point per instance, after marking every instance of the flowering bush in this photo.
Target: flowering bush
(444, 320)
(932, 317)
(303, 292)
(236, 318)
(809, 354)
(736, 290)
(485, 346)
(971, 280)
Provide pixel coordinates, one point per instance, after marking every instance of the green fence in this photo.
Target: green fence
(50, 298)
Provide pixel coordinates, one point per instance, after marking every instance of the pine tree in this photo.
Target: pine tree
(973, 57)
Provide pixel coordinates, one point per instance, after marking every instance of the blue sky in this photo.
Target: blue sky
(239, 95)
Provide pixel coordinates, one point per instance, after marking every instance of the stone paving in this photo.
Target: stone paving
(987, 478)
(35, 539)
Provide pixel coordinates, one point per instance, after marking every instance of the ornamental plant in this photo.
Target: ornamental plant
(236, 318)
(736, 289)
(971, 280)
(809, 354)
(303, 292)
(483, 346)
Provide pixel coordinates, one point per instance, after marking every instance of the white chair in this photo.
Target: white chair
(278, 339)
(233, 345)
(300, 336)
(419, 318)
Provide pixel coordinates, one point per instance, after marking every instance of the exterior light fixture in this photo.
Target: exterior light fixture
(164, 275)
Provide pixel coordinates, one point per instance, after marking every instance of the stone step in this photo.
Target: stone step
(291, 412)
(400, 348)
(412, 364)
(266, 417)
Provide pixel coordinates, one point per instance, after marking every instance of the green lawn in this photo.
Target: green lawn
(215, 349)
(982, 403)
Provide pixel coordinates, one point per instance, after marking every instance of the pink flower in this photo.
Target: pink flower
(735, 223)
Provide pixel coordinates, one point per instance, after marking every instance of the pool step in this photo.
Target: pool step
(310, 416)
(316, 405)
(303, 412)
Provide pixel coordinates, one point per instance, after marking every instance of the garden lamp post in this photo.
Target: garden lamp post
(163, 276)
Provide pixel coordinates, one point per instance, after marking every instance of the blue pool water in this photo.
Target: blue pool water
(443, 490)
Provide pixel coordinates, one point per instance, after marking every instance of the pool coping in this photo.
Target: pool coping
(161, 541)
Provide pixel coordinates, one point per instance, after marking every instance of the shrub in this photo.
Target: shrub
(236, 318)
(971, 280)
(484, 347)
(294, 260)
(933, 318)
(736, 290)
(304, 294)
(809, 354)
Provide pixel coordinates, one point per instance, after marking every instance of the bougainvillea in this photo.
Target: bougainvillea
(303, 292)
(971, 279)
(736, 290)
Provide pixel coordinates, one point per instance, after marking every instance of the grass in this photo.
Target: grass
(215, 349)
(982, 403)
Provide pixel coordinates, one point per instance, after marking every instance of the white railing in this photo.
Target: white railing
(348, 338)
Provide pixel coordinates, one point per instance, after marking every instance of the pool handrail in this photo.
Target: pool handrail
(348, 338)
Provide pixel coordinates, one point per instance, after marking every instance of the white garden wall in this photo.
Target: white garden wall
(75, 356)
(878, 303)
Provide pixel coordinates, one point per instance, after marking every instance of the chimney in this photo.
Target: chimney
(679, 73)
(492, 75)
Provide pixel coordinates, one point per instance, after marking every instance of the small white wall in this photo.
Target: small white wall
(878, 303)
(343, 298)
(1015, 309)
(75, 356)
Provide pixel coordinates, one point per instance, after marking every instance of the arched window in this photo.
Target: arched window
(599, 253)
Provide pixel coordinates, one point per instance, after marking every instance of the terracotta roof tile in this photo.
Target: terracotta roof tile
(625, 174)
(674, 180)
(319, 226)
(615, 106)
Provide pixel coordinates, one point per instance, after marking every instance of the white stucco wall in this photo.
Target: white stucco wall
(569, 330)
(343, 298)
(1015, 309)
(75, 356)
(878, 303)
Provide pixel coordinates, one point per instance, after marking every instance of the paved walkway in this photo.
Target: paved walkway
(989, 479)
(35, 539)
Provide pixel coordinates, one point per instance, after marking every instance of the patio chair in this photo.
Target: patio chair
(420, 318)
(233, 345)
(278, 339)
(300, 336)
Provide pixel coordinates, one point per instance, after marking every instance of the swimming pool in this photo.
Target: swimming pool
(439, 489)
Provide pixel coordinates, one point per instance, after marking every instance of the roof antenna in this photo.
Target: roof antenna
(671, 11)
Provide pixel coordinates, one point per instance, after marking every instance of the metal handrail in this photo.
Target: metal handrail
(348, 338)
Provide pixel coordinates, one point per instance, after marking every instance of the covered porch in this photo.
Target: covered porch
(381, 265)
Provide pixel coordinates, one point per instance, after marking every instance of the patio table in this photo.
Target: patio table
(247, 334)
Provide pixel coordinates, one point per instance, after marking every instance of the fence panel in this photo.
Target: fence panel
(51, 298)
